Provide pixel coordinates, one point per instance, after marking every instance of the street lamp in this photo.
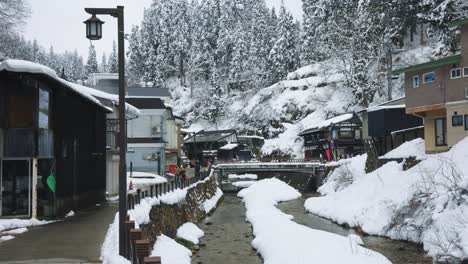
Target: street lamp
(94, 28)
(94, 32)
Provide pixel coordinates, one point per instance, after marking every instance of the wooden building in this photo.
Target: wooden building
(437, 91)
(53, 143)
(333, 139)
(389, 125)
(204, 145)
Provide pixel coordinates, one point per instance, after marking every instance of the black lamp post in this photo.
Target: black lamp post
(94, 32)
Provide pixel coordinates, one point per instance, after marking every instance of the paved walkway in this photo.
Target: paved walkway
(77, 239)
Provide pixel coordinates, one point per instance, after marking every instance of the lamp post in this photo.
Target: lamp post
(94, 32)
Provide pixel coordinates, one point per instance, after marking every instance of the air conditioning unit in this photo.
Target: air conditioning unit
(154, 130)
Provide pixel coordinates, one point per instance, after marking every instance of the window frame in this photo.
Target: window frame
(427, 73)
(454, 117)
(444, 132)
(453, 70)
(465, 74)
(414, 81)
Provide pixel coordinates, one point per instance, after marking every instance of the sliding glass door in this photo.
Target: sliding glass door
(15, 184)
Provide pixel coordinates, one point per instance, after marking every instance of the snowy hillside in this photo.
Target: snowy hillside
(280, 112)
(427, 203)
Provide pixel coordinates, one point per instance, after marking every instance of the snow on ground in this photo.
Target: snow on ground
(242, 177)
(243, 184)
(6, 224)
(140, 214)
(15, 231)
(191, 232)
(170, 251)
(280, 240)
(414, 148)
(6, 238)
(70, 214)
(427, 203)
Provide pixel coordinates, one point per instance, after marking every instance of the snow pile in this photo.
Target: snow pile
(242, 177)
(210, 204)
(15, 231)
(427, 203)
(110, 247)
(70, 214)
(190, 232)
(170, 251)
(6, 238)
(144, 179)
(414, 148)
(6, 224)
(280, 240)
(243, 184)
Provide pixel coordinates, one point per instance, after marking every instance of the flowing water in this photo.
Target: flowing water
(228, 237)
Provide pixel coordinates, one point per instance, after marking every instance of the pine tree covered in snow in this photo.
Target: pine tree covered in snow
(91, 64)
(103, 67)
(113, 63)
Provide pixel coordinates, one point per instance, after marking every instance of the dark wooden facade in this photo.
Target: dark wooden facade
(383, 122)
(63, 131)
(199, 146)
(334, 141)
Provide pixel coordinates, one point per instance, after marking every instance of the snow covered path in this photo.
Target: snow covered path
(280, 240)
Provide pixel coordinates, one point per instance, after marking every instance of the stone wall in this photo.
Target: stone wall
(167, 219)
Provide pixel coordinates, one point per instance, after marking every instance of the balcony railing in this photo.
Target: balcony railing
(25, 142)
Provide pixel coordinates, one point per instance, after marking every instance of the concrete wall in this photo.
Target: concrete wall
(456, 133)
(112, 173)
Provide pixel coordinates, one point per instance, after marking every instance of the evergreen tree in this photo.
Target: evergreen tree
(113, 63)
(104, 67)
(91, 64)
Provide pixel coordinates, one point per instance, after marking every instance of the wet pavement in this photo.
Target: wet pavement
(77, 239)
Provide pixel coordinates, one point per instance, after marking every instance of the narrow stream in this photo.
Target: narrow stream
(228, 237)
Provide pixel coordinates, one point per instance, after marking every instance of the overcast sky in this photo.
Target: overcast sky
(59, 23)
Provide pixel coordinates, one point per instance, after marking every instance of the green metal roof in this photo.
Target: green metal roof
(430, 65)
(457, 23)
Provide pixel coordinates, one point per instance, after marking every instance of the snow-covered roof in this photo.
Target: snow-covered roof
(91, 94)
(257, 137)
(229, 146)
(329, 122)
(393, 104)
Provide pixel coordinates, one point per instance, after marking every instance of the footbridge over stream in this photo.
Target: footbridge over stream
(302, 175)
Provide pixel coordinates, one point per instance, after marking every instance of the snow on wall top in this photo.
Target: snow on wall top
(229, 146)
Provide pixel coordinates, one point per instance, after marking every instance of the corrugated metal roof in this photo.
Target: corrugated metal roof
(430, 65)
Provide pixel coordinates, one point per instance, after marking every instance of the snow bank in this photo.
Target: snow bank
(18, 223)
(414, 148)
(190, 232)
(110, 247)
(243, 184)
(242, 177)
(6, 238)
(211, 203)
(427, 203)
(144, 179)
(280, 240)
(170, 251)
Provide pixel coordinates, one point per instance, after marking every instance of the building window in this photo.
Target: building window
(416, 81)
(429, 77)
(44, 109)
(466, 122)
(466, 92)
(346, 134)
(440, 132)
(465, 72)
(455, 73)
(457, 120)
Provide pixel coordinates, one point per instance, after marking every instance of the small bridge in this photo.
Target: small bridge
(302, 175)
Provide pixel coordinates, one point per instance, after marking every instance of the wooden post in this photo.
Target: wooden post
(34, 188)
(152, 260)
(138, 196)
(151, 190)
(134, 235)
(128, 225)
(142, 249)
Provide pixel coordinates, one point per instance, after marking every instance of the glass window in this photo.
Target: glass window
(466, 122)
(440, 132)
(457, 120)
(43, 109)
(455, 73)
(429, 77)
(346, 134)
(466, 92)
(416, 81)
(465, 72)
